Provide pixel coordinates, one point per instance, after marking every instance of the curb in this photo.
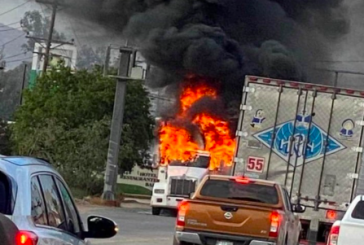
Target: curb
(147, 197)
(101, 202)
(97, 201)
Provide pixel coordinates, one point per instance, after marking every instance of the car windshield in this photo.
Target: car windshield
(7, 194)
(199, 162)
(240, 191)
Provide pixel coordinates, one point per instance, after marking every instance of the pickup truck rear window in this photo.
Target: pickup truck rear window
(238, 191)
(358, 212)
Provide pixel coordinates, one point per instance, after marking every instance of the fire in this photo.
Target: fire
(176, 143)
(217, 139)
(192, 94)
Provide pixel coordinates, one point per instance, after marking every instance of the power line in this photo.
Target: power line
(15, 55)
(339, 71)
(12, 40)
(12, 29)
(338, 61)
(24, 59)
(10, 24)
(10, 10)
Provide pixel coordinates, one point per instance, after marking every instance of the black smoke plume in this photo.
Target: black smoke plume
(224, 39)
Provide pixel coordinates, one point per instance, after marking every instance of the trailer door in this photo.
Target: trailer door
(282, 133)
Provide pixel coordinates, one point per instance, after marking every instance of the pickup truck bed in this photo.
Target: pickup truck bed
(228, 210)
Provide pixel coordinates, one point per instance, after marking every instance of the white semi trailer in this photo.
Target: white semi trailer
(307, 137)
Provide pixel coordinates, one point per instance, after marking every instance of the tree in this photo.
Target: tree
(38, 25)
(66, 119)
(10, 90)
(5, 148)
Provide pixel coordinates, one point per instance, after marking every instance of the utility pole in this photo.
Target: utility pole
(111, 172)
(50, 35)
(107, 60)
(126, 63)
(54, 4)
(23, 83)
(2, 64)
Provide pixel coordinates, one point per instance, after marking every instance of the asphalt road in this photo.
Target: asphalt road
(136, 224)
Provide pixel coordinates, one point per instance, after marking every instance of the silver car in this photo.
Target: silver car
(36, 198)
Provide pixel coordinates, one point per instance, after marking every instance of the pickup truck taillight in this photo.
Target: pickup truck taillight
(26, 238)
(182, 210)
(334, 235)
(275, 221)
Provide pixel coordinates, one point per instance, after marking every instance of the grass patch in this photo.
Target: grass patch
(121, 188)
(133, 189)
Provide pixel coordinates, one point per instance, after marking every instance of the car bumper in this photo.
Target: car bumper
(162, 201)
(201, 238)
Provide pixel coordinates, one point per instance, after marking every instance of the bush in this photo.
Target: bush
(66, 119)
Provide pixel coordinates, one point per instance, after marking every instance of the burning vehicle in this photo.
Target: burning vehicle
(192, 144)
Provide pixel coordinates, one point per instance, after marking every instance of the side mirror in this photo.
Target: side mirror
(296, 208)
(100, 227)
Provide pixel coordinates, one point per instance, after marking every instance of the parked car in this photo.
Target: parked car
(35, 197)
(228, 210)
(349, 230)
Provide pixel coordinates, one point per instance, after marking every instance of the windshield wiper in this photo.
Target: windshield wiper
(246, 199)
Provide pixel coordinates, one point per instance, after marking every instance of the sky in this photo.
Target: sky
(84, 32)
(348, 53)
(62, 22)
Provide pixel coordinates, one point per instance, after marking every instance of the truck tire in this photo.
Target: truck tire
(156, 211)
(175, 242)
(286, 242)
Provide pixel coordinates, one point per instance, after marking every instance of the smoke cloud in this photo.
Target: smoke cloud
(225, 39)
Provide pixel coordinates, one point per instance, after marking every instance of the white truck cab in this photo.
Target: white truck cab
(177, 181)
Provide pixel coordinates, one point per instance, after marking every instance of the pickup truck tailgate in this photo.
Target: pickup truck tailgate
(242, 220)
(352, 226)
(351, 233)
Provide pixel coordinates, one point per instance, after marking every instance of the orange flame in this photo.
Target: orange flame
(217, 140)
(176, 143)
(192, 94)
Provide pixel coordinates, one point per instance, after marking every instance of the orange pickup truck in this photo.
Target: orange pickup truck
(227, 210)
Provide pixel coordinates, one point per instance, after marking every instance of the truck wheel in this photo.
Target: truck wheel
(175, 242)
(156, 211)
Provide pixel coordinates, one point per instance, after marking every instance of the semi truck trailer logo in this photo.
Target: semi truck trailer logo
(347, 130)
(258, 119)
(314, 143)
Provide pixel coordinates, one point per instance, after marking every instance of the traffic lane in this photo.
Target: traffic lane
(136, 226)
